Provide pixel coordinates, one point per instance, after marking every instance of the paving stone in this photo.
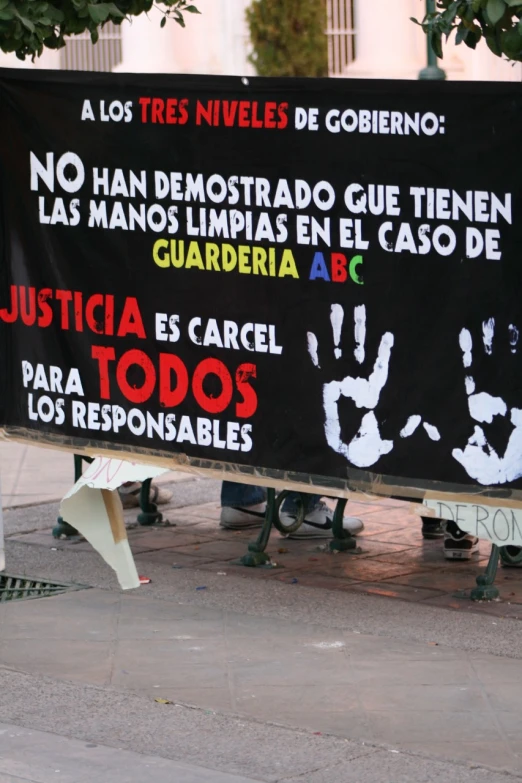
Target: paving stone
(370, 570)
(441, 578)
(404, 592)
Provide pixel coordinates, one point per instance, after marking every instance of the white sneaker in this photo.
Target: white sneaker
(233, 518)
(318, 523)
(459, 545)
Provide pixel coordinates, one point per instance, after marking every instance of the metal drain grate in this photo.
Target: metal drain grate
(15, 588)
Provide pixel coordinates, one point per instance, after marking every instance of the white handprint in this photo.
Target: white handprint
(366, 446)
(412, 424)
(479, 458)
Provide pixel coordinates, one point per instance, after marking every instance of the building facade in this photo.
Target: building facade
(364, 40)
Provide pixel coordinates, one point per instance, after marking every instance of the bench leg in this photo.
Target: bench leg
(256, 555)
(485, 589)
(511, 556)
(342, 540)
(149, 514)
(62, 528)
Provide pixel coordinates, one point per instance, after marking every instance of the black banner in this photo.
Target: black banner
(316, 278)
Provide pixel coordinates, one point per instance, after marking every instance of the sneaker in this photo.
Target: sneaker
(130, 495)
(432, 528)
(318, 523)
(459, 545)
(236, 518)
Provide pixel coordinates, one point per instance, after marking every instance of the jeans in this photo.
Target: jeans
(241, 495)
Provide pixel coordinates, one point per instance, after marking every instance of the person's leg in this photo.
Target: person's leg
(290, 504)
(242, 505)
(239, 495)
(130, 494)
(432, 528)
(318, 517)
(458, 545)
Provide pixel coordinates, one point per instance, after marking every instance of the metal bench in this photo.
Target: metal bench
(342, 540)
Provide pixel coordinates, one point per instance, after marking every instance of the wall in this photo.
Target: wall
(215, 42)
(49, 59)
(388, 45)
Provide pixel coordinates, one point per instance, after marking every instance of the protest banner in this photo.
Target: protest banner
(309, 281)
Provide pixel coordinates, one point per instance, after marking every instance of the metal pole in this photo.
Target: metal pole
(432, 71)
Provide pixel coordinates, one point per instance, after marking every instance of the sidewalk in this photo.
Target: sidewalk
(425, 698)
(42, 757)
(31, 475)
(392, 561)
(359, 650)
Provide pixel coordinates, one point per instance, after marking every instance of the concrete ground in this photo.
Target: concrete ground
(218, 673)
(31, 475)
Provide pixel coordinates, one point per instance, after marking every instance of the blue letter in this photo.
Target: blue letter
(319, 269)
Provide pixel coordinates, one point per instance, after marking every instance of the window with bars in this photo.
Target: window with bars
(340, 33)
(81, 54)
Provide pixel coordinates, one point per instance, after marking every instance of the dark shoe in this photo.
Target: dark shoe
(432, 528)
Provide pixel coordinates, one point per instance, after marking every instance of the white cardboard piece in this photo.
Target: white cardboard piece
(502, 525)
(93, 507)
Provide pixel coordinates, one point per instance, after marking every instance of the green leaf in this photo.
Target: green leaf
(493, 43)
(163, 22)
(115, 11)
(473, 37)
(495, 10)
(511, 41)
(436, 44)
(55, 15)
(462, 34)
(27, 23)
(450, 14)
(192, 9)
(99, 13)
(512, 3)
